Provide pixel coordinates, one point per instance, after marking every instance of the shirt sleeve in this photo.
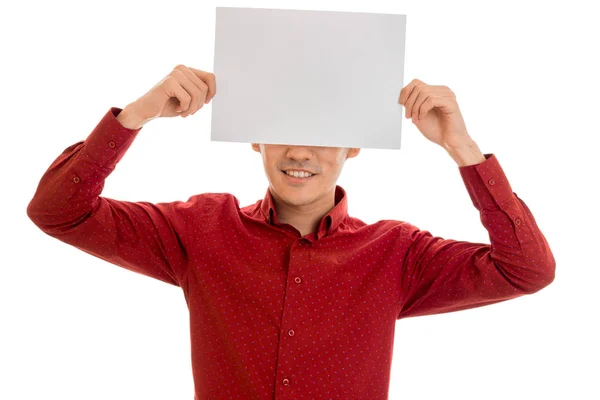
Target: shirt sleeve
(443, 275)
(140, 236)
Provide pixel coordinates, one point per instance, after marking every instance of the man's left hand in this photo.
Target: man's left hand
(435, 112)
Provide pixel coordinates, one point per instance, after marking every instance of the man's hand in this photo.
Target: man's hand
(435, 112)
(181, 93)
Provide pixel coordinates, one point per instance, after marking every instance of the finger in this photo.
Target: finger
(174, 89)
(210, 79)
(406, 91)
(424, 107)
(410, 101)
(195, 92)
(444, 103)
(420, 98)
(199, 101)
(423, 92)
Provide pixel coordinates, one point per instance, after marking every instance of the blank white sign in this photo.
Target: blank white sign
(300, 77)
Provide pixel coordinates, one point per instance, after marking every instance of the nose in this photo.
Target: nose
(300, 153)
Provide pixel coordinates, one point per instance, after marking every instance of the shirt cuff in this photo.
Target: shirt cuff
(487, 184)
(109, 140)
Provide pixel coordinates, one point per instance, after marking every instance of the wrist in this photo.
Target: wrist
(466, 154)
(129, 118)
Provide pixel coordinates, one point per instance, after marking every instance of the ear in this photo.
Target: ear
(352, 152)
(256, 147)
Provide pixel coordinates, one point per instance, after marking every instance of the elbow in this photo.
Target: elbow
(545, 276)
(37, 213)
(550, 272)
(542, 270)
(31, 211)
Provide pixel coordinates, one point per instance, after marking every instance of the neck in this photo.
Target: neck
(305, 218)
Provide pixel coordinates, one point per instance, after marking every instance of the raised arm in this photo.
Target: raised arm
(443, 275)
(140, 236)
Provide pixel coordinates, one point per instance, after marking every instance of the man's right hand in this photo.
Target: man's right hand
(183, 92)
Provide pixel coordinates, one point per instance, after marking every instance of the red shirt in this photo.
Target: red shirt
(274, 315)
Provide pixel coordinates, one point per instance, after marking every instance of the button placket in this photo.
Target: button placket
(302, 247)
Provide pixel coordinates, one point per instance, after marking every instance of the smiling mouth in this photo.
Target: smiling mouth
(303, 175)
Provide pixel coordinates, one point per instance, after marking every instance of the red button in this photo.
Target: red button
(291, 332)
(492, 182)
(286, 382)
(76, 179)
(518, 221)
(297, 279)
(111, 144)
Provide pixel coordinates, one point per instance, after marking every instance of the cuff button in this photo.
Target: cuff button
(518, 221)
(111, 144)
(76, 179)
(492, 182)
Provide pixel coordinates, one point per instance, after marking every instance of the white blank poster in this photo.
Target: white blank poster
(320, 78)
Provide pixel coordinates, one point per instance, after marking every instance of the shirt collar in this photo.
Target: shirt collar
(330, 221)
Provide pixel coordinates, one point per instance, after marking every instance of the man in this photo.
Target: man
(291, 297)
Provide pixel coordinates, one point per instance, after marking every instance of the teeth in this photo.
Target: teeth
(298, 174)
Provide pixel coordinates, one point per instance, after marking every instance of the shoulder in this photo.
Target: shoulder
(379, 228)
(215, 200)
(205, 205)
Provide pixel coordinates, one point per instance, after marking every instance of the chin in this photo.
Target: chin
(296, 196)
(298, 201)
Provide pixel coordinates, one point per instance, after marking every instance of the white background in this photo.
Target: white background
(526, 79)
